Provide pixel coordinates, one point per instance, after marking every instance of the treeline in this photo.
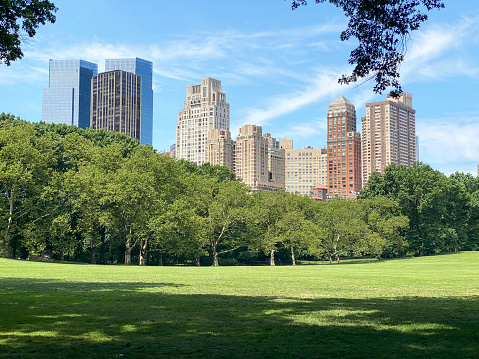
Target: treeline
(443, 211)
(101, 197)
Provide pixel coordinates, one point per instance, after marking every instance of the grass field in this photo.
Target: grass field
(410, 308)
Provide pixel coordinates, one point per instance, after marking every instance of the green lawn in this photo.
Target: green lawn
(410, 308)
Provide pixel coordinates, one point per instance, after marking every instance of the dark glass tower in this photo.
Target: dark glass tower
(144, 69)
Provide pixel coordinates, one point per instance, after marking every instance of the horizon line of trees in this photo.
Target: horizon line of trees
(100, 197)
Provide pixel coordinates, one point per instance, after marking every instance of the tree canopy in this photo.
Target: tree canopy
(101, 197)
(383, 28)
(18, 15)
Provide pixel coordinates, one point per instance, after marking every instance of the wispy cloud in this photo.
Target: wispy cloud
(441, 52)
(185, 57)
(304, 130)
(449, 140)
(322, 85)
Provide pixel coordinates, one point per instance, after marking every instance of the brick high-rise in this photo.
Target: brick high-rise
(344, 149)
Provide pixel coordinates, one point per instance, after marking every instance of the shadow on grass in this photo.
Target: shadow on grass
(54, 319)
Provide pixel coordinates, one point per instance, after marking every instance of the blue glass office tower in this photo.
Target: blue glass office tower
(144, 69)
(67, 98)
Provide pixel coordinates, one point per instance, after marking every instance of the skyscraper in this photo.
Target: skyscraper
(219, 148)
(144, 69)
(251, 158)
(67, 98)
(205, 108)
(388, 134)
(116, 102)
(259, 162)
(344, 149)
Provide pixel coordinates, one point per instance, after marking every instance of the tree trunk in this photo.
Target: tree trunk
(337, 258)
(215, 255)
(160, 260)
(293, 258)
(142, 253)
(128, 248)
(92, 253)
(62, 256)
(102, 245)
(128, 251)
(198, 261)
(271, 258)
(7, 250)
(330, 259)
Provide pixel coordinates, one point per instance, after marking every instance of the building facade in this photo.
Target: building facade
(259, 162)
(219, 148)
(116, 102)
(305, 169)
(251, 158)
(172, 151)
(276, 169)
(144, 69)
(344, 149)
(388, 134)
(205, 109)
(67, 98)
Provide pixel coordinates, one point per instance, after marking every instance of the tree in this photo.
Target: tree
(386, 225)
(438, 207)
(278, 221)
(24, 170)
(340, 229)
(227, 210)
(18, 15)
(91, 169)
(383, 29)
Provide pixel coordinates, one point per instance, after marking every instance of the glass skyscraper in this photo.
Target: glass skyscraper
(67, 98)
(144, 69)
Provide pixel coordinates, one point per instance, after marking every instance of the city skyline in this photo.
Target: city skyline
(279, 68)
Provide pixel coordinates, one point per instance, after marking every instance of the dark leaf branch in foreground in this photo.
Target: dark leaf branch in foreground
(383, 29)
(20, 19)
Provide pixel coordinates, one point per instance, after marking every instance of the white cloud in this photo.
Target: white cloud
(304, 130)
(450, 140)
(322, 85)
(442, 51)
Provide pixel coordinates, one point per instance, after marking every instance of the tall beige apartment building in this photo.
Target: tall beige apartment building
(305, 169)
(388, 134)
(205, 109)
(258, 159)
(219, 148)
(344, 149)
(116, 102)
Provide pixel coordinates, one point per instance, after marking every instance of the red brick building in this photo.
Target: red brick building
(344, 149)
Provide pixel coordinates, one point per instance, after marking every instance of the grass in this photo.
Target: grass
(410, 308)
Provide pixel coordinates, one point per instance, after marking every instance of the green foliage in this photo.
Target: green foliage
(25, 163)
(440, 209)
(382, 29)
(18, 15)
(101, 197)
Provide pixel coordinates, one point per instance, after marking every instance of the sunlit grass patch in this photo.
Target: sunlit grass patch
(412, 308)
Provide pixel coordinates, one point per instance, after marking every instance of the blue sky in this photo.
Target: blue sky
(278, 67)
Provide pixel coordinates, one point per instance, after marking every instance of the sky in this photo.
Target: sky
(278, 67)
